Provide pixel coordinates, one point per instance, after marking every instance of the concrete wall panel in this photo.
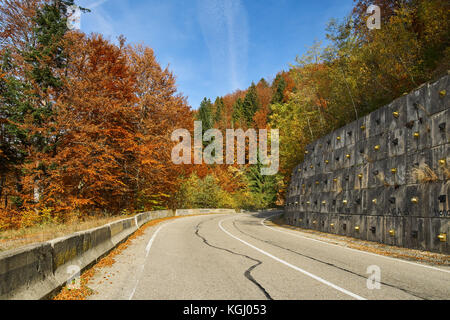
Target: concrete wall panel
(387, 174)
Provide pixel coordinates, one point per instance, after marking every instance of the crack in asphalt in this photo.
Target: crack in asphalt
(247, 273)
(324, 262)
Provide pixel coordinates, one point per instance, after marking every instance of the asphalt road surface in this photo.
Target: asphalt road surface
(234, 257)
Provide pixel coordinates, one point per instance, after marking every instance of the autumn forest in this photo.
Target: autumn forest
(86, 121)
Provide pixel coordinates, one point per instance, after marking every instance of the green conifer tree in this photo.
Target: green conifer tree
(238, 113)
(279, 85)
(250, 104)
(220, 107)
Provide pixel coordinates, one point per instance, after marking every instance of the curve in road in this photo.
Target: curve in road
(236, 257)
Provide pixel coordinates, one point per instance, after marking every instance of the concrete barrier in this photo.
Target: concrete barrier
(38, 271)
(122, 229)
(161, 214)
(77, 252)
(27, 273)
(142, 218)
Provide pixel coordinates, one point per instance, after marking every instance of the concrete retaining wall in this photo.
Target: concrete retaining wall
(358, 180)
(37, 271)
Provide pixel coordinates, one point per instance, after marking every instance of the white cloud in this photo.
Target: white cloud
(98, 19)
(225, 30)
(95, 4)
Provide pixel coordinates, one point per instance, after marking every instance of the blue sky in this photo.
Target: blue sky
(216, 46)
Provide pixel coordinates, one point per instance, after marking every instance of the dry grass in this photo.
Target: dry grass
(12, 239)
(424, 174)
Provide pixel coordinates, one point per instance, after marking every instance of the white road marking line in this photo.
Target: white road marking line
(360, 251)
(147, 249)
(149, 245)
(291, 265)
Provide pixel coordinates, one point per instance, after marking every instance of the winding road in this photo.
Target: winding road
(243, 257)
